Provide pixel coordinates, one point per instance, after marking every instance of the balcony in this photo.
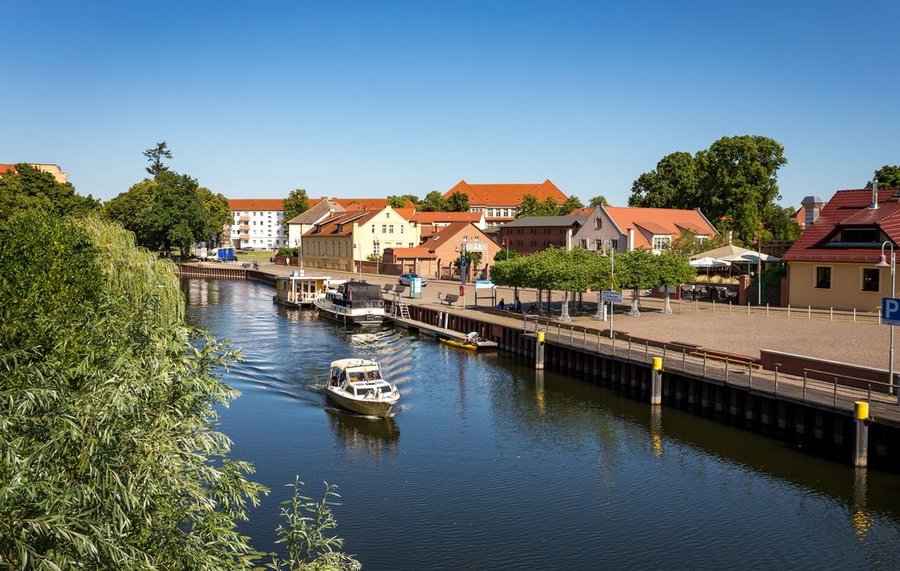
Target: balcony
(244, 219)
(245, 227)
(245, 236)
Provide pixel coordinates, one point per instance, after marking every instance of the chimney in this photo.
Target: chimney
(630, 244)
(812, 205)
(874, 204)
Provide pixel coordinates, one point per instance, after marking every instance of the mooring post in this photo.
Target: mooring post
(861, 440)
(656, 382)
(539, 351)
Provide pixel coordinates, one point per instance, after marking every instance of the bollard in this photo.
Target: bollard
(656, 382)
(539, 351)
(861, 440)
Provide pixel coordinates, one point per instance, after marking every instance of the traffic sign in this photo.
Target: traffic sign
(613, 296)
(890, 311)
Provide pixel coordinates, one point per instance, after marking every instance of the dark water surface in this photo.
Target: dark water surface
(490, 466)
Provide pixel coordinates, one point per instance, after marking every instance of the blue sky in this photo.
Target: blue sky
(369, 99)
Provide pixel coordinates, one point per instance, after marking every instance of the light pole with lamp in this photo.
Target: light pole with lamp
(612, 279)
(882, 263)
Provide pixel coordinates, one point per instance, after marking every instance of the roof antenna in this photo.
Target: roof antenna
(874, 205)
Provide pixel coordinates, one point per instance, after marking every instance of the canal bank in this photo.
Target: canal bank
(814, 410)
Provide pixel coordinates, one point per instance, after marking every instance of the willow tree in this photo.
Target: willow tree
(672, 270)
(106, 410)
(637, 270)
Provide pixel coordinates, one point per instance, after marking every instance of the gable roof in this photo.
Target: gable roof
(315, 213)
(341, 223)
(544, 221)
(848, 208)
(262, 204)
(651, 222)
(447, 234)
(506, 194)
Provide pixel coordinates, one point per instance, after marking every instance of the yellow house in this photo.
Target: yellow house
(347, 237)
(834, 262)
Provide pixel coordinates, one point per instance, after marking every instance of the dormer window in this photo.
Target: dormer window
(856, 237)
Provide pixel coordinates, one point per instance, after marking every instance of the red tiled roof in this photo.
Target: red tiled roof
(329, 226)
(407, 213)
(7, 168)
(506, 194)
(657, 221)
(586, 211)
(259, 204)
(848, 208)
(432, 217)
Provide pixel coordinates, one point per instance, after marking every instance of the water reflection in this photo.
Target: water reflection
(656, 439)
(364, 434)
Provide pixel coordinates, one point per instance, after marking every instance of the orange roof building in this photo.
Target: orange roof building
(435, 257)
(625, 228)
(257, 223)
(499, 202)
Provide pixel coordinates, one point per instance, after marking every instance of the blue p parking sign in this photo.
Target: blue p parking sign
(890, 311)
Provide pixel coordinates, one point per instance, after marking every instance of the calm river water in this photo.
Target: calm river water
(490, 466)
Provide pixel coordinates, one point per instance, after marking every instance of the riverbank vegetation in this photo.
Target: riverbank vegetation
(107, 407)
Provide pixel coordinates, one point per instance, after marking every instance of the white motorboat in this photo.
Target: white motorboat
(357, 385)
(353, 303)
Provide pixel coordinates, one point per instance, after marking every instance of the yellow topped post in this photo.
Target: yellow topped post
(657, 363)
(861, 410)
(540, 336)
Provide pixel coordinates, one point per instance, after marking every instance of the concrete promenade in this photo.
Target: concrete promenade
(862, 343)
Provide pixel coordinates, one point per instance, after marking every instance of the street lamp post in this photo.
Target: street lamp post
(882, 263)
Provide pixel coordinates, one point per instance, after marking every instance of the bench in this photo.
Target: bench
(386, 288)
(448, 298)
(245, 265)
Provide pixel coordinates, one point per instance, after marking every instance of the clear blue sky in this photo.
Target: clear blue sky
(369, 99)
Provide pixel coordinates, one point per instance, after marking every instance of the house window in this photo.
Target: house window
(391, 229)
(584, 244)
(598, 223)
(661, 242)
(823, 277)
(870, 279)
(384, 228)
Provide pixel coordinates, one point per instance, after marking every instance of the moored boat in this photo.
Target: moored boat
(299, 290)
(471, 342)
(353, 303)
(357, 385)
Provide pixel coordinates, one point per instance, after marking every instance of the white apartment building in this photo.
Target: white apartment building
(257, 222)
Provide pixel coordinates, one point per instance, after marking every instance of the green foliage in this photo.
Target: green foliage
(637, 269)
(434, 201)
(294, 205)
(554, 268)
(403, 201)
(888, 176)
(531, 206)
(673, 269)
(773, 274)
(458, 202)
(732, 182)
(779, 224)
(155, 155)
(688, 244)
(306, 534)
(598, 200)
(505, 254)
(29, 187)
(510, 272)
(168, 211)
(106, 410)
(571, 203)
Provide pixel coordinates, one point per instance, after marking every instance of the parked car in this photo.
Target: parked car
(406, 279)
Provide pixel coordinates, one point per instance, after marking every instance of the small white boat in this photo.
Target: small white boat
(353, 303)
(357, 385)
(298, 289)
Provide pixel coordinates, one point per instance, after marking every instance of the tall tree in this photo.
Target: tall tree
(675, 183)
(732, 182)
(403, 201)
(29, 187)
(217, 213)
(110, 460)
(549, 207)
(294, 205)
(458, 202)
(529, 206)
(155, 155)
(888, 176)
(434, 201)
(598, 200)
(637, 270)
(779, 224)
(165, 212)
(572, 203)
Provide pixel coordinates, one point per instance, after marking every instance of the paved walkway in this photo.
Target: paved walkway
(862, 343)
